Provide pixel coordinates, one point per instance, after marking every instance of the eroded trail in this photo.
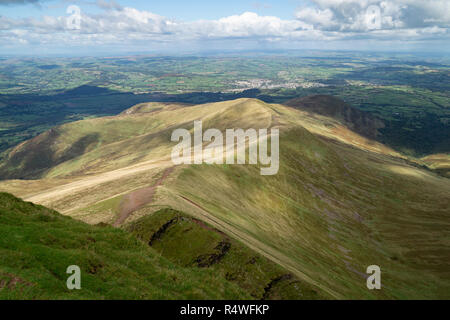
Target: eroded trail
(68, 189)
(138, 198)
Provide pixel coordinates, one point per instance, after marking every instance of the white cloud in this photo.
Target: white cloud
(130, 23)
(248, 24)
(356, 15)
(316, 17)
(322, 20)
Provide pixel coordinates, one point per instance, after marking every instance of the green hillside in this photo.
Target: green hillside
(359, 121)
(103, 144)
(38, 244)
(190, 242)
(339, 203)
(330, 212)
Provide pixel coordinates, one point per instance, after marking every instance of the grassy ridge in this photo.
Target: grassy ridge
(338, 204)
(103, 144)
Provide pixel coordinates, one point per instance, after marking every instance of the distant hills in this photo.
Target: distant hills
(339, 203)
(87, 90)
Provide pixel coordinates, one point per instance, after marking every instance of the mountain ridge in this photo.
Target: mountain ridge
(64, 144)
(339, 203)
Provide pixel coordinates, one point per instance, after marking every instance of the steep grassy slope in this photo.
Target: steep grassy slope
(191, 243)
(38, 244)
(331, 212)
(339, 203)
(88, 138)
(361, 122)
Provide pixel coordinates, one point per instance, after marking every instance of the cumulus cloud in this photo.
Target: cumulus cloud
(129, 23)
(321, 20)
(366, 15)
(248, 24)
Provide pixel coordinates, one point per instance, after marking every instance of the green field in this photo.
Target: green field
(409, 93)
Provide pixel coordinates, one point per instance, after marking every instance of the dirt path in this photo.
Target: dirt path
(138, 198)
(54, 194)
(68, 189)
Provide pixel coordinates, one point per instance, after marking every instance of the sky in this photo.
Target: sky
(89, 27)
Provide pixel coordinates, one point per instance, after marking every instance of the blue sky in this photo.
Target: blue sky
(176, 9)
(204, 9)
(45, 26)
